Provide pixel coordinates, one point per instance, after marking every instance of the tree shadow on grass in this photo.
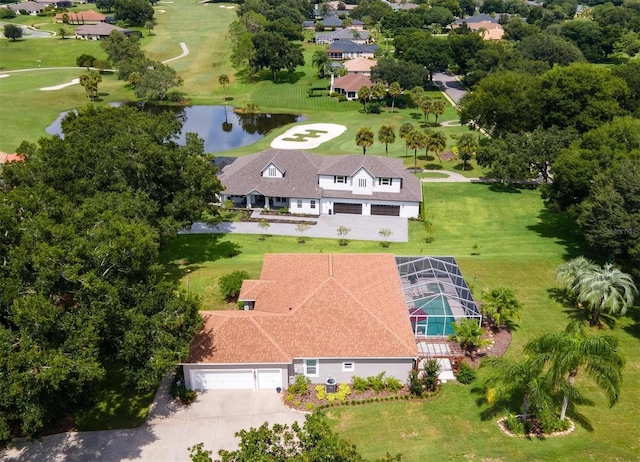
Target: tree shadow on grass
(634, 329)
(563, 230)
(288, 77)
(459, 166)
(433, 167)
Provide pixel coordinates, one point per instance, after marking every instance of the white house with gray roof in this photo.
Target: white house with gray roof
(311, 184)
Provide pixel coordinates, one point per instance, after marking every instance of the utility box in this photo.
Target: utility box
(331, 386)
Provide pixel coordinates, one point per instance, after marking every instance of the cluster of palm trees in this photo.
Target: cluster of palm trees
(546, 376)
(417, 138)
(426, 104)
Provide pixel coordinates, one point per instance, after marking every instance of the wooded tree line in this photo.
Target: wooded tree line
(81, 287)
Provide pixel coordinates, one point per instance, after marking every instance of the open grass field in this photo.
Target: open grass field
(521, 245)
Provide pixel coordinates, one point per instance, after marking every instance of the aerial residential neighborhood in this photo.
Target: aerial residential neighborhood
(355, 231)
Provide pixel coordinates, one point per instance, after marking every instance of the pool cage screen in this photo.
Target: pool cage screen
(436, 294)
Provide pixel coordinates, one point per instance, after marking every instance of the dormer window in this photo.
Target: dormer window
(272, 171)
(384, 181)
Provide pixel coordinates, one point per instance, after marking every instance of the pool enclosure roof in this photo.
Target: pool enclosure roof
(435, 293)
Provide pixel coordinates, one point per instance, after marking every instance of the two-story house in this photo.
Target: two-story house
(310, 184)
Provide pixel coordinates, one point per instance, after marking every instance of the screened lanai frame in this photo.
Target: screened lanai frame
(436, 295)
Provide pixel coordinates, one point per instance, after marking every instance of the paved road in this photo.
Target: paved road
(451, 86)
(168, 432)
(364, 228)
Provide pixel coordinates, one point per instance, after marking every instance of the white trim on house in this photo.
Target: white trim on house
(349, 366)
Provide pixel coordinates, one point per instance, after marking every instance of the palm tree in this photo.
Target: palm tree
(395, 90)
(606, 289)
(364, 94)
(437, 143)
(507, 377)
(403, 131)
(386, 135)
(426, 105)
(467, 146)
(364, 138)
(416, 139)
(438, 108)
(224, 81)
(468, 333)
(321, 61)
(501, 305)
(574, 349)
(378, 91)
(568, 274)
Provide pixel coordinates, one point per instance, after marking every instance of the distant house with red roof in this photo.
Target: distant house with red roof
(360, 65)
(317, 315)
(81, 17)
(5, 157)
(350, 84)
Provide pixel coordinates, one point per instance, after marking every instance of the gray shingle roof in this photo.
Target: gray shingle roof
(347, 46)
(301, 175)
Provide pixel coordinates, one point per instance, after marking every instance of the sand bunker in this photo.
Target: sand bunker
(307, 136)
(2, 76)
(60, 87)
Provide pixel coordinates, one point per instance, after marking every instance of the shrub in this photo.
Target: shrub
(230, 284)
(297, 403)
(174, 96)
(515, 425)
(416, 386)
(7, 13)
(373, 107)
(466, 374)
(360, 384)
(301, 385)
(320, 392)
(331, 397)
(551, 423)
(343, 392)
(392, 384)
(376, 383)
(289, 398)
(309, 406)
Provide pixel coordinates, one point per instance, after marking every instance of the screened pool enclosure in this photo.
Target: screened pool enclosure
(436, 294)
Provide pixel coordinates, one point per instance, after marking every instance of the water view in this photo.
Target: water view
(219, 126)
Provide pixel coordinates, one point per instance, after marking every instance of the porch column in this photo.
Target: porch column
(248, 199)
(267, 204)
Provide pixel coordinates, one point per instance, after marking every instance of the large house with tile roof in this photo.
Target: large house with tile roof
(348, 49)
(98, 31)
(317, 315)
(348, 85)
(361, 37)
(311, 184)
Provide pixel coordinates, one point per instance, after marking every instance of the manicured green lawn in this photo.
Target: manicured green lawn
(521, 245)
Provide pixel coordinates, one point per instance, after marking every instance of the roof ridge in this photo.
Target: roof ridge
(273, 342)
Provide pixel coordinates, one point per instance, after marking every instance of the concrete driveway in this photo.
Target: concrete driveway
(168, 432)
(365, 228)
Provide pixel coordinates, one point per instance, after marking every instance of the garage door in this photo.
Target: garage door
(269, 379)
(341, 207)
(204, 379)
(390, 210)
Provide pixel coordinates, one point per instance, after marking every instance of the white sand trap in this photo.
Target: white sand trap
(307, 136)
(2, 76)
(60, 87)
(161, 11)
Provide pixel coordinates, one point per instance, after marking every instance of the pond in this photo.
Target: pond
(219, 126)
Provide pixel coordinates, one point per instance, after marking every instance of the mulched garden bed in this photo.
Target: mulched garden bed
(501, 339)
(536, 430)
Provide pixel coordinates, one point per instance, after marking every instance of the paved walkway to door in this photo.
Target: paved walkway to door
(168, 432)
(364, 228)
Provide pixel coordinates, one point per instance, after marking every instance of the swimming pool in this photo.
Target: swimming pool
(432, 317)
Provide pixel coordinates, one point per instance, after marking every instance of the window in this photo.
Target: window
(362, 182)
(348, 367)
(311, 368)
(299, 203)
(384, 181)
(313, 204)
(339, 179)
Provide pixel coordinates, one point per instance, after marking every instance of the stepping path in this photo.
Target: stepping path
(452, 177)
(185, 52)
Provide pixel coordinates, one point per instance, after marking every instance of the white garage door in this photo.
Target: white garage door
(269, 379)
(206, 379)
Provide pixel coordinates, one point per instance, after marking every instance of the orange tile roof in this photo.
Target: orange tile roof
(6, 157)
(89, 15)
(313, 305)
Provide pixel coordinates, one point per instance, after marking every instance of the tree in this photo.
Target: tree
(468, 333)
(105, 5)
(408, 75)
(395, 90)
(568, 274)
(605, 289)
(416, 139)
(438, 109)
(549, 48)
(343, 231)
(63, 33)
(224, 81)
(85, 60)
(264, 226)
(302, 228)
(403, 131)
(230, 284)
(90, 83)
(507, 377)
(432, 53)
(467, 146)
(135, 13)
(378, 91)
(387, 135)
(321, 61)
(291, 30)
(364, 138)
(437, 142)
(364, 95)
(125, 54)
(155, 81)
(501, 305)
(385, 233)
(274, 52)
(12, 32)
(587, 35)
(150, 25)
(574, 349)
